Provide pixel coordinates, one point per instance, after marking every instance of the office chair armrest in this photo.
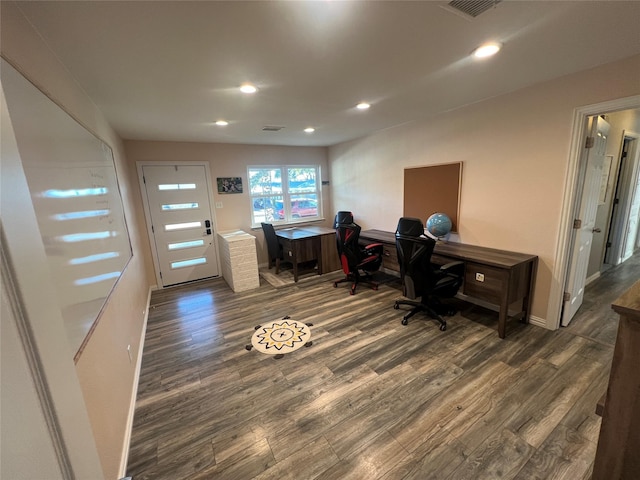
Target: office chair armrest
(373, 248)
(453, 268)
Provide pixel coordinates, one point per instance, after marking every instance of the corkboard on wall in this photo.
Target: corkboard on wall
(431, 189)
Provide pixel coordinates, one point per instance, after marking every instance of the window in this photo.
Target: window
(284, 194)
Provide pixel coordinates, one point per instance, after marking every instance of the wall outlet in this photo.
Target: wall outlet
(218, 204)
(480, 277)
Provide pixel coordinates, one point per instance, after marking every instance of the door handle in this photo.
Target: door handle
(207, 223)
(596, 230)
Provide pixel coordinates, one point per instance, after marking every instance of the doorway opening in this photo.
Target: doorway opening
(624, 115)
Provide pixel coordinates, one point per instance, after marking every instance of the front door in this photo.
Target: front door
(179, 209)
(586, 220)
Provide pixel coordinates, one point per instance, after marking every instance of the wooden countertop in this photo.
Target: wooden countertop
(472, 253)
(629, 303)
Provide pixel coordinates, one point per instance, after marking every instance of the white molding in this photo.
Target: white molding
(592, 278)
(563, 245)
(539, 322)
(11, 296)
(124, 458)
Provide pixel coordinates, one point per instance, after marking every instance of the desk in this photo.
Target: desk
(495, 276)
(306, 244)
(619, 440)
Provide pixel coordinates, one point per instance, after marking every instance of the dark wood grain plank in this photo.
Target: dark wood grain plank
(370, 398)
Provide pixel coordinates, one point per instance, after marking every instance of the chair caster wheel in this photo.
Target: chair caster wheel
(396, 306)
(443, 327)
(404, 321)
(335, 284)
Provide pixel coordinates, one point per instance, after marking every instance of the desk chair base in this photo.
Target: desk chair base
(435, 310)
(356, 279)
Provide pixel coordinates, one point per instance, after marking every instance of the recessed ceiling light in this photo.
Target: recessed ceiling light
(222, 123)
(248, 88)
(487, 50)
(362, 106)
(309, 130)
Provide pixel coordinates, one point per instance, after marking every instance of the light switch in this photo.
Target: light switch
(480, 277)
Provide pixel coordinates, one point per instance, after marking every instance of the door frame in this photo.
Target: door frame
(572, 194)
(147, 213)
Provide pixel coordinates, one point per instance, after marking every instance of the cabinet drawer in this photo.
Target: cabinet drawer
(441, 260)
(484, 282)
(390, 258)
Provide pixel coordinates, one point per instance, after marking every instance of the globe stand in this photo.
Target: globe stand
(442, 239)
(438, 226)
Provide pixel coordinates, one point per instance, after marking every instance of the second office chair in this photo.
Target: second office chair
(358, 262)
(421, 279)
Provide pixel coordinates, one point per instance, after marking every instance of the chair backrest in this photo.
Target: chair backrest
(342, 217)
(273, 247)
(348, 235)
(414, 257)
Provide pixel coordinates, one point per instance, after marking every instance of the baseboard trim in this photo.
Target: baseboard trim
(134, 391)
(533, 320)
(592, 278)
(539, 322)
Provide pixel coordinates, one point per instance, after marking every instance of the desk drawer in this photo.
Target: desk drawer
(484, 282)
(441, 260)
(390, 258)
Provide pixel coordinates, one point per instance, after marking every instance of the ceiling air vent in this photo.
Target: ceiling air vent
(272, 128)
(473, 8)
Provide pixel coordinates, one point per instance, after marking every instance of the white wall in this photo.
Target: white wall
(232, 160)
(515, 152)
(103, 372)
(44, 420)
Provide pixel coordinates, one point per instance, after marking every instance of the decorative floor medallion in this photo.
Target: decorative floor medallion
(280, 337)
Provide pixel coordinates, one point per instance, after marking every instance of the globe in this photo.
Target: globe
(439, 225)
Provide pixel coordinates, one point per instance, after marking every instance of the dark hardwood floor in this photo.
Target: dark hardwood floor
(370, 399)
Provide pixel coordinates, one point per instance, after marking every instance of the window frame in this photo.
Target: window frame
(286, 195)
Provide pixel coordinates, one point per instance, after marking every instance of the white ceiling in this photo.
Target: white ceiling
(166, 70)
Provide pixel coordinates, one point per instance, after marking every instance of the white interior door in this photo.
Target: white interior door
(631, 230)
(586, 220)
(179, 206)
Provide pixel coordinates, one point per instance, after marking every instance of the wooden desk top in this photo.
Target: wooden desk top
(471, 253)
(295, 233)
(298, 233)
(318, 230)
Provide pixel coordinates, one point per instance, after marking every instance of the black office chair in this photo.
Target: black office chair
(342, 217)
(358, 262)
(421, 279)
(274, 249)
